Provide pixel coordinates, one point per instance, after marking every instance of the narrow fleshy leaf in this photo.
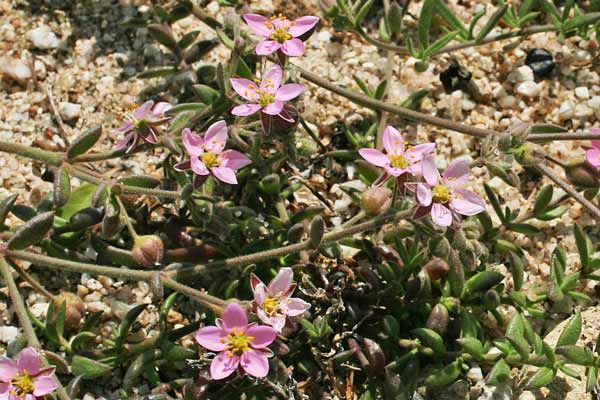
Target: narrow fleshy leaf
(32, 232)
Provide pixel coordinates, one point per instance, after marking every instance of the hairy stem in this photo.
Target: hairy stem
(45, 156)
(21, 311)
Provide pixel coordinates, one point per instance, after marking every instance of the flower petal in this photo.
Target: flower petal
(271, 80)
(592, 156)
(289, 91)
(395, 171)
(416, 153)
(126, 127)
(282, 281)
(303, 25)
(467, 203)
(225, 174)
(274, 108)
(374, 157)
(212, 338)
(296, 306)
(245, 109)
(424, 194)
(234, 316)
(257, 25)
(8, 369)
(254, 281)
(260, 292)
(192, 142)
(293, 47)
(4, 391)
(44, 385)
(441, 215)
(234, 159)
(142, 111)
(29, 360)
(160, 108)
(267, 47)
(123, 143)
(458, 169)
(216, 137)
(245, 88)
(263, 336)
(222, 365)
(430, 172)
(255, 363)
(596, 143)
(183, 166)
(393, 142)
(198, 167)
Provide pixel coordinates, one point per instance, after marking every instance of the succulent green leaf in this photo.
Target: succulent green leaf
(32, 232)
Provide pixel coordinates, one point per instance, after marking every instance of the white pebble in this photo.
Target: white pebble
(529, 89)
(582, 92)
(69, 111)
(566, 110)
(474, 374)
(43, 38)
(507, 101)
(15, 69)
(8, 333)
(524, 74)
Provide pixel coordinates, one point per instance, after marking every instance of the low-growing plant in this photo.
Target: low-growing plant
(396, 298)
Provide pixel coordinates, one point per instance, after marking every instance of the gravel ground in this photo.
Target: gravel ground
(87, 61)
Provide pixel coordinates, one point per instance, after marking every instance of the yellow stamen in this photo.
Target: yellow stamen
(270, 305)
(265, 98)
(280, 35)
(398, 161)
(441, 194)
(22, 384)
(238, 343)
(210, 160)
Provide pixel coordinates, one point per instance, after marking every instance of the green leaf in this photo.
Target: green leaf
(525, 229)
(526, 6)
(446, 375)
(583, 245)
(543, 199)
(517, 270)
(80, 340)
(84, 142)
(569, 282)
(199, 50)
(133, 313)
(491, 23)
(362, 13)
(592, 379)
(363, 86)
(380, 90)
(520, 345)
(541, 378)
(157, 73)
(414, 100)
(483, 281)
(569, 372)
(80, 198)
(581, 21)
(62, 187)
(576, 354)
(88, 368)
(500, 373)
(32, 232)
(472, 346)
(180, 11)
(185, 107)
(494, 202)
(425, 22)
(552, 214)
(307, 213)
(143, 181)
(180, 122)
(317, 229)
(394, 18)
(547, 128)
(430, 338)
(439, 44)
(450, 18)
(163, 35)
(5, 206)
(571, 332)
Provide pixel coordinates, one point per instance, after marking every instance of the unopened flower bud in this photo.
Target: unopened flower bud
(507, 175)
(270, 184)
(436, 269)
(74, 311)
(491, 299)
(582, 175)
(438, 319)
(375, 356)
(147, 250)
(376, 200)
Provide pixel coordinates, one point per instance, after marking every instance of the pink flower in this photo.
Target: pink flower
(399, 158)
(142, 123)
(207, 155)
(269, 98)
(23, 379)
(238, 344)
(592, 155)
(273, 302)
(445, 194)
(280, 33)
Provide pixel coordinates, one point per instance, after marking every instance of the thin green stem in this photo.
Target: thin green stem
(125, 216)
(261, 256)
(21, 311)
(46, 156)
(107, 155)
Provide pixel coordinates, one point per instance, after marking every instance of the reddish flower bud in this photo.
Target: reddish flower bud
(147, 250)
(376, 200)
(75, 309)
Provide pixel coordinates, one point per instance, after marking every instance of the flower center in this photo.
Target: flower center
(398, 161)
(265, 99)
(270, 305)
(210, 160)
(238, 343)
(22, 384)
(441, 194)
(280, 35)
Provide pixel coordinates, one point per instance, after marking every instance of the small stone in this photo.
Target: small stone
(507, 101)
(527, 395)
(69, 111)
(93, 284)
(529, 89)
(468, 104)
(582, 92)
(566, 110)
(15, 69)
(524, 74)
(8, 333)
(43, 38)
(324, 36)
(474, 374)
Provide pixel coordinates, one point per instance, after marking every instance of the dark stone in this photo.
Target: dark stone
(540, 61)
(455, 77)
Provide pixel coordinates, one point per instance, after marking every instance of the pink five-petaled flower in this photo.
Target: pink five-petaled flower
(142, 123)
(207, 155)
(270, 96)
(280, 33)
(273, 302)
(238, 344)
(592, 155)
(446, 194)
(399, 158)
(23, 379)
